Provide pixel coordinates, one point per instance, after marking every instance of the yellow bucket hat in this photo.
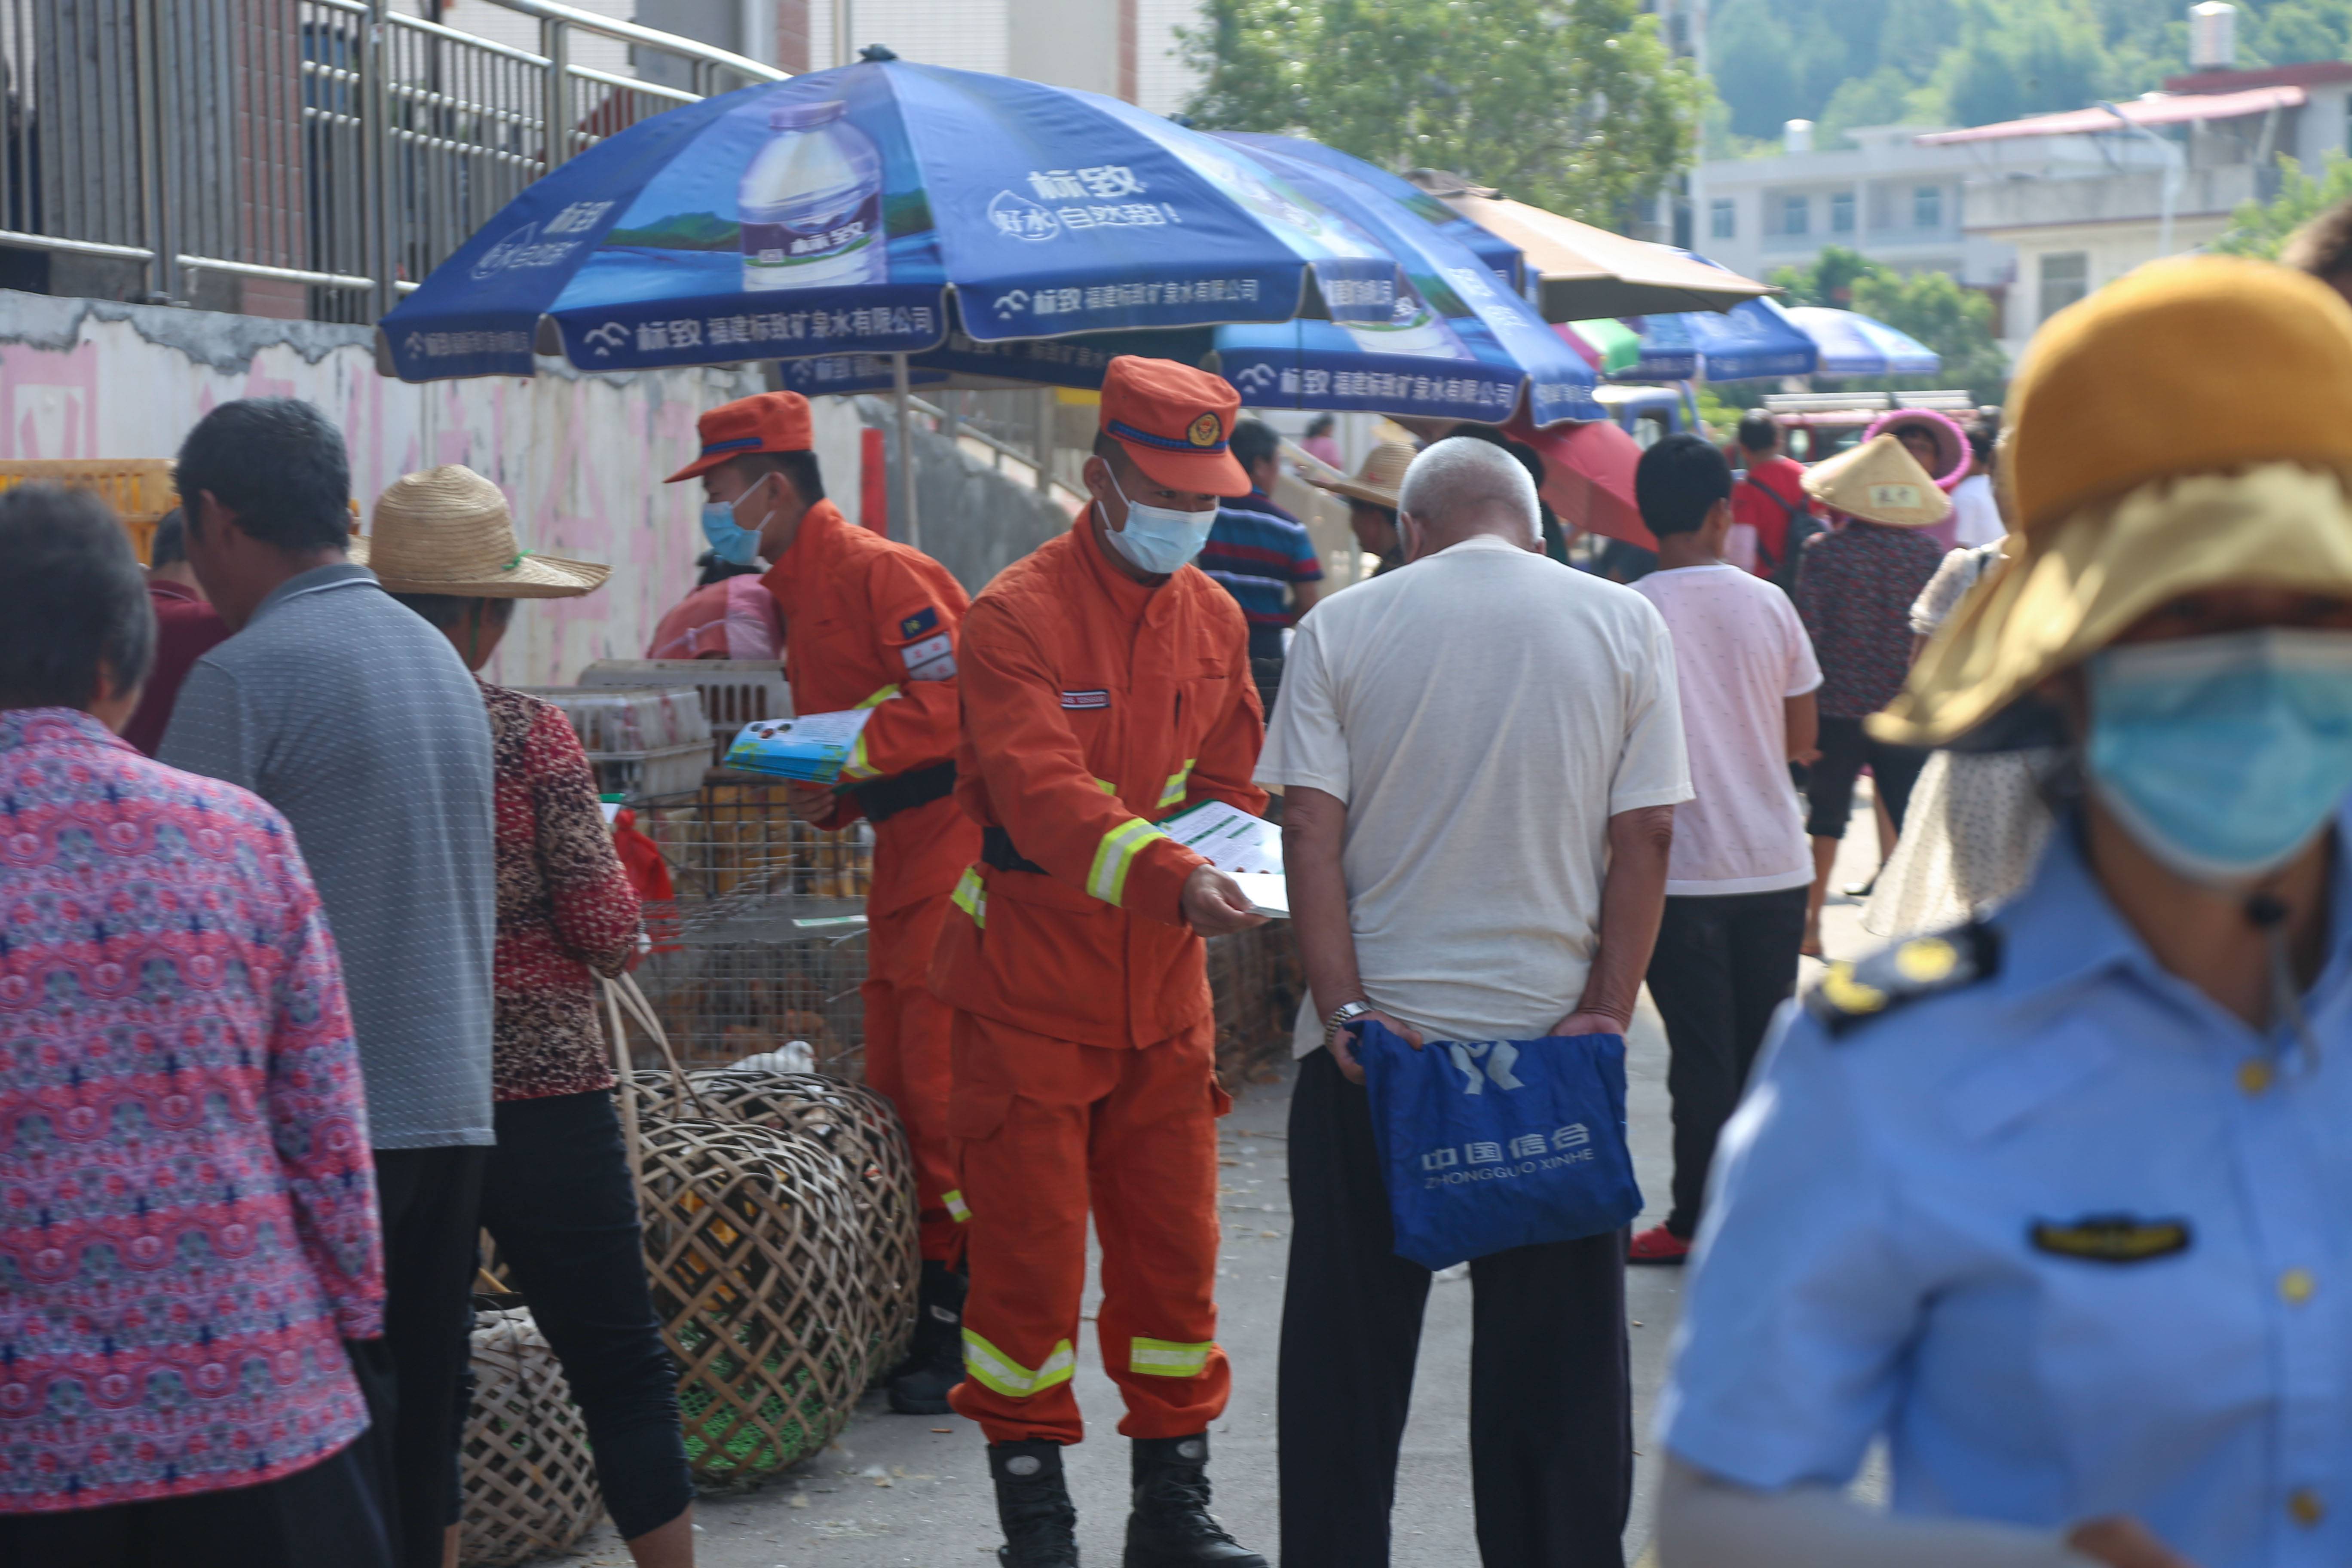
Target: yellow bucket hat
(2187, 426)
(1879, 481)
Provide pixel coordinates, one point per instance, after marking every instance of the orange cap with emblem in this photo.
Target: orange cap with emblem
(1174, 421)
(765, 422)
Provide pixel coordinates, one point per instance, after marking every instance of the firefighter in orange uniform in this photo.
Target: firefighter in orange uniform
(869, 623)
(1105, 684)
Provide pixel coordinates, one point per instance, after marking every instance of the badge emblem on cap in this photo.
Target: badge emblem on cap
(1205, 431)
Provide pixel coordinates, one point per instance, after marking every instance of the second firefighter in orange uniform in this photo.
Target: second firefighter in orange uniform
(870, 623)
(1106, 683)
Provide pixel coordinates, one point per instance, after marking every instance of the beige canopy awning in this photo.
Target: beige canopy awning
(1588, 271)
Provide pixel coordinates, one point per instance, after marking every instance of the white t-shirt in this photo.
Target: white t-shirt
(1976, 516)
(1483, 712)
(1739, 651)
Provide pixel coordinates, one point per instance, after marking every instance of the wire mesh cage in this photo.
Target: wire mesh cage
(765, 943)
(1257, 981)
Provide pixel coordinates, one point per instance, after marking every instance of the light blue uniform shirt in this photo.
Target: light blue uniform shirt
(1870, 1263)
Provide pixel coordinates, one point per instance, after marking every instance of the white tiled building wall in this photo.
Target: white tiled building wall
(969, 35)
(1163, 82)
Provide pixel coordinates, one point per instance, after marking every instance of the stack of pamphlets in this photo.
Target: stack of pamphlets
(1246, 848)
(809, 748)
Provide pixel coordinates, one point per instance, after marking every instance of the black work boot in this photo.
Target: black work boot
(1041, 1527)
(934, 1363)
(1171, 1526)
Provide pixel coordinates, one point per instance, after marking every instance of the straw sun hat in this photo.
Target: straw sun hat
(447, 530)
(2188, 426)
(1381, 478)
(1879, 481)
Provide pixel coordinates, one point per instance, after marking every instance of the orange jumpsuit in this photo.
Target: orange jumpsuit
(869, 622)
(1085, 1044)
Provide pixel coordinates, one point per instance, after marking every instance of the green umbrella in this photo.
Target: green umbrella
(1614, 345)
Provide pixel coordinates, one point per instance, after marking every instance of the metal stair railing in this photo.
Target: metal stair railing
(307, 158)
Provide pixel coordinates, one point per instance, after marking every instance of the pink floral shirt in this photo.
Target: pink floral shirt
(188, 1225)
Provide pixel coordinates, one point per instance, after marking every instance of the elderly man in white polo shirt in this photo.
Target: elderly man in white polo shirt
(1480, 755)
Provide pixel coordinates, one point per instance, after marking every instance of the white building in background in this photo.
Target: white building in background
(1888, 196)
(2095, 204)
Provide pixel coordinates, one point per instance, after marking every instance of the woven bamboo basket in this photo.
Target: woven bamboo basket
(757, 1253)
(529, 1484)
(865, 1133)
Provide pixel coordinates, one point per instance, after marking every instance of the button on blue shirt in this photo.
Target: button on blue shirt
(1870, 1261)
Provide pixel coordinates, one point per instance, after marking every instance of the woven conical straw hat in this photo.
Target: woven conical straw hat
(1879, 481)
(447, 530)
(1381, 477)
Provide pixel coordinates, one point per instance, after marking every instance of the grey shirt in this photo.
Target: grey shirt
(346, 711)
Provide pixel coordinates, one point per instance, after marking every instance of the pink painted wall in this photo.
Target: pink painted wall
(580, 458)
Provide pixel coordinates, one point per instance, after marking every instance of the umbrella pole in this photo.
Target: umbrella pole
(906, 448)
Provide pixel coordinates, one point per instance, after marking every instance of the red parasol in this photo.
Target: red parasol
(1588, 476)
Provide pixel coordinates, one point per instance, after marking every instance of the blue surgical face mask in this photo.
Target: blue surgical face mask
(730, 539)
(2224, 756)
(1159, 538)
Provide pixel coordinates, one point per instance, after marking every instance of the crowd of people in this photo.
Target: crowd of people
(303, 924)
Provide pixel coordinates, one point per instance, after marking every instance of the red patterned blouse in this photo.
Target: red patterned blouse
(565, 906)
(187, 1206)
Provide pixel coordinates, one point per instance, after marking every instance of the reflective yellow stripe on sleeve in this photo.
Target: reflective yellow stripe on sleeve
(857, 767)
(970, 896)
(995, 1369)
(1165, 1358)
(1115, 854)
(957, 1210)
(1173, 793)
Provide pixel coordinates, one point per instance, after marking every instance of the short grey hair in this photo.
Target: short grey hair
(1458, 475)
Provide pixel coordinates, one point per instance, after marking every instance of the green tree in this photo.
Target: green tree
(1956, 321)
(2262, 228)
(2016, 59)
(1753, 57)
(1575, 105)
(1831, 278)
(1883, 98)
(1933, 307)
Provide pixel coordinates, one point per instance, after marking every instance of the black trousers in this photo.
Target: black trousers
(1721, 966)
(1551, 1411)
(1845, 748)
(558, 1204)
(325, 1516)
(431, 1201)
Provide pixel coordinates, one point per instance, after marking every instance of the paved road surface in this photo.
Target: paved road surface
(895, 1491)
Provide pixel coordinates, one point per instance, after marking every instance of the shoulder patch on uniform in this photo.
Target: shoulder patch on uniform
(2111, 1238)
(918, 623)
(1851, 994)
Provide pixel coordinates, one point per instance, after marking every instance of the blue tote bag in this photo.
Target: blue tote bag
(1491, 1145)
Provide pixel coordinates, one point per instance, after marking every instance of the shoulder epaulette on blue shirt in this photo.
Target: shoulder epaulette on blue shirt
(1851, 994)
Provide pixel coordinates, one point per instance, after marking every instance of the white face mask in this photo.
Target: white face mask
(1159, 538)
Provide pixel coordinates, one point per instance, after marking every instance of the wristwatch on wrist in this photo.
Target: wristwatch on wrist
(1346, 1013)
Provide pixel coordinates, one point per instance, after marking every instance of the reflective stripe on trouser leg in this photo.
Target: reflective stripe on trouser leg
(1009, 1377)
(1020, 1122)
(1162, 1358)
(1154, 1180)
